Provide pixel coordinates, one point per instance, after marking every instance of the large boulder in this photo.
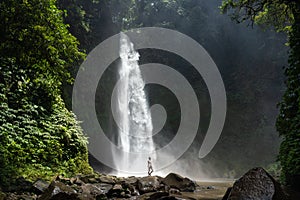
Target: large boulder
(256, 184)
(91, 189)
(176, 181)
(59, 191)
(148, 184)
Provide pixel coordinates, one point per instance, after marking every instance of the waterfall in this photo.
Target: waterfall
(135, 123)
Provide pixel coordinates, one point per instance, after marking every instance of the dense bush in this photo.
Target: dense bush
(39, 136)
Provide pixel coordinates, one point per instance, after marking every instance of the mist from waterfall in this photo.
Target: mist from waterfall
(135, 123)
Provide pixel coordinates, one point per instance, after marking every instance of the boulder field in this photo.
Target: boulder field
(256, 184)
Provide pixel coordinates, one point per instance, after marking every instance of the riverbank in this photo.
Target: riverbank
(101, 186)
(255, 184)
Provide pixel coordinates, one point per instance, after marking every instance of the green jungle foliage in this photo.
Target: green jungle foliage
(284, 16)
(288, 121)
(39, 136)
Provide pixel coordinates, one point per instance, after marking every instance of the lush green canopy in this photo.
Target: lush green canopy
(278, 13)
(39, 136)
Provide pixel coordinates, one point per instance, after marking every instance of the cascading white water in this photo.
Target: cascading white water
(135, 133)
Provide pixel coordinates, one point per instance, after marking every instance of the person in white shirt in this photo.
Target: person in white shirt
(150, 168)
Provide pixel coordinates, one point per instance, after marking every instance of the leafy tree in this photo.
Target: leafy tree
(90, 20)
(39, 136)
(277, 13)
(284, 15)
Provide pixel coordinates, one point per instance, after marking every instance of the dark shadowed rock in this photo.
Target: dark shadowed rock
(175, 198)
(40, 186)
(174, 191)
(117, 191)
(2, 195)
(168, 198)
(21, 185)
(90, 178)
(15, 196)
(210, 187)
(131, 180)
(107, 179)
(78, 181)
(104, 187)
(135, 192)
(84, 196)
(65, 180)
(101, 197)
(256, 184)
(59, 191)
(130, 188)
(117, 187)
(176, 181)
(158, 195)
(227, 193)
(91, 189)
(148, 184)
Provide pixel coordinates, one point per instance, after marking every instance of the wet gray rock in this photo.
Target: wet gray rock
(174, 191)
(210, 187)
(78, 181)
(131, 180)
(256, 184)
(148, 184)
(98, 187)
(90, 178)
(107, 179)
(91, 189)
(176, 181)
(104, 187)
(116, 191)
(59, 191)
(40, 186)
(135, 192)
(84, 196)
(130, 188)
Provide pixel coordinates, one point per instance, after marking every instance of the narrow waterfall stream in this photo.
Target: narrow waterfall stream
(135, 123)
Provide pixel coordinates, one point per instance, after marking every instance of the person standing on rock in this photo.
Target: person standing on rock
(150, 168)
